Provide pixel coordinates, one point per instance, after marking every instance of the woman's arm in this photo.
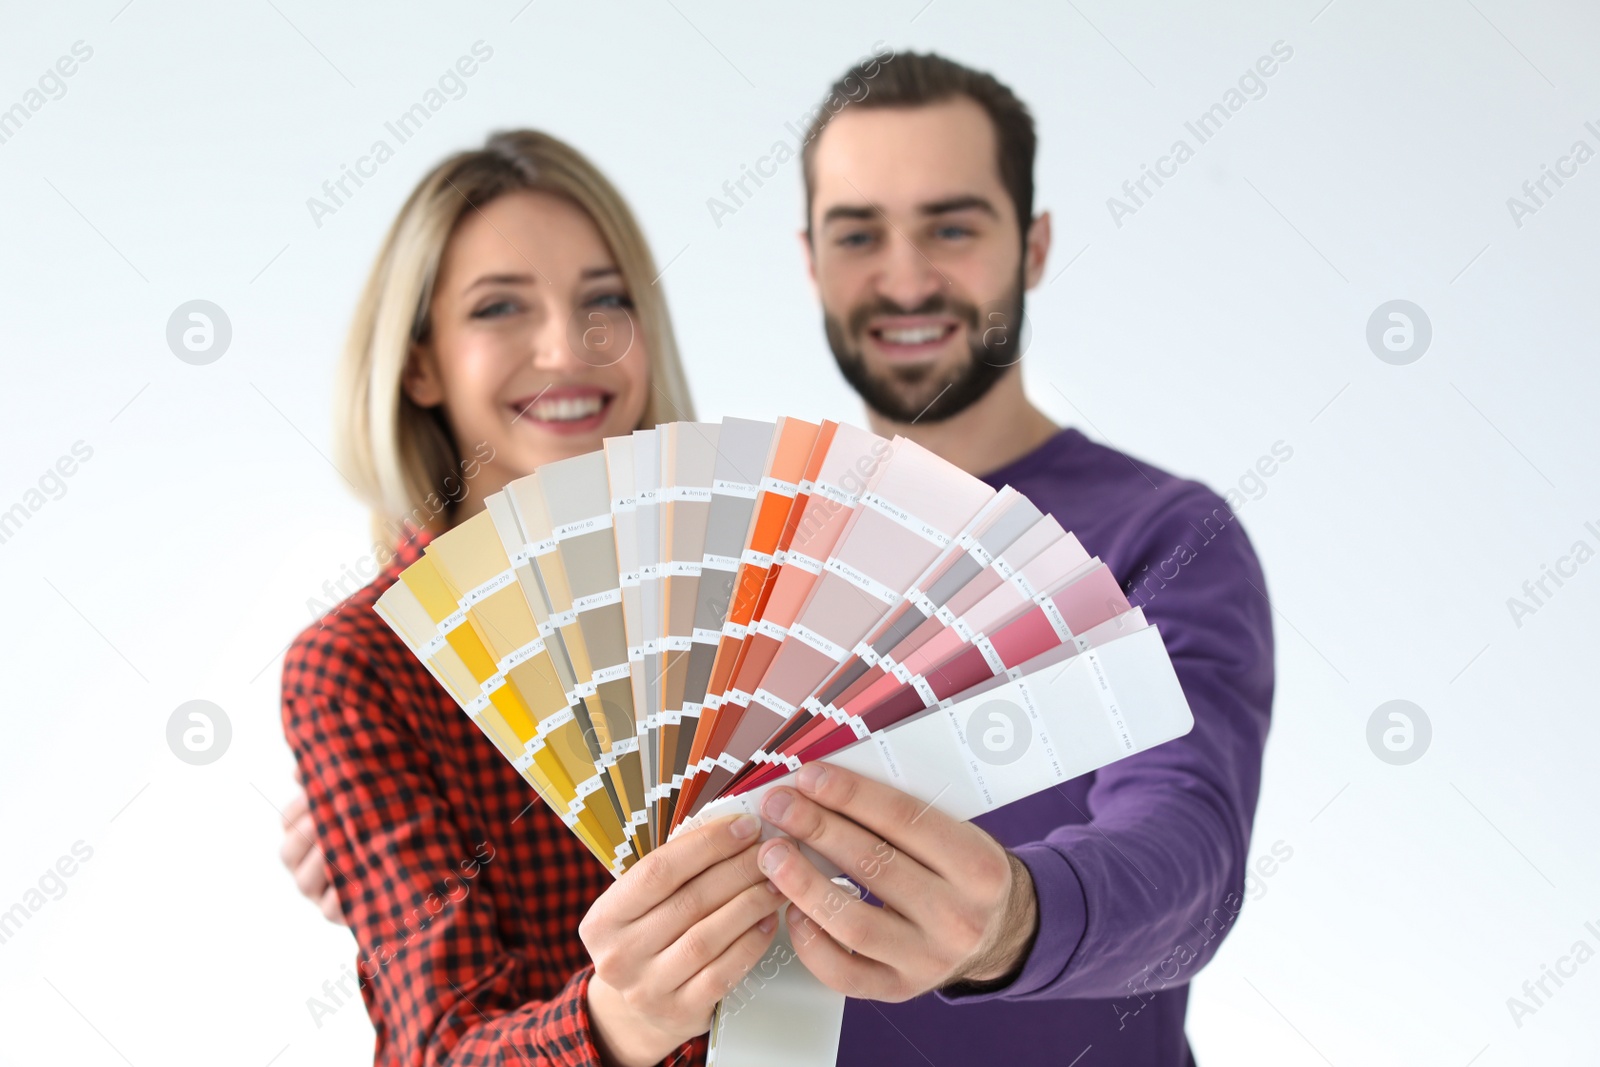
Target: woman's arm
(439, 981)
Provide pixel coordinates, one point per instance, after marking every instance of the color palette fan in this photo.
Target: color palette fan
(662, 630)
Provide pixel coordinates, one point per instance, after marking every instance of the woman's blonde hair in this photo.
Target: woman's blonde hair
(401, 458)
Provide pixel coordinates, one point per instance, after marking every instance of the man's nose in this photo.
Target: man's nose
(909, 279)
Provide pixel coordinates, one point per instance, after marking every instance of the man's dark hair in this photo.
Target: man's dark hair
(911, 79)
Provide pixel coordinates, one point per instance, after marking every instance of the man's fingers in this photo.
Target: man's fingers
(298, 839)
(834, 966)
(856, 925)
(728, 972)
(698, 898)
(297, 807)
(916, 828)
(707, 940)
(311, 875)
(667, 869)
(330, 907)
(893, 876)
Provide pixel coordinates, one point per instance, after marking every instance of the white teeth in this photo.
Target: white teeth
(915, 336)
(566, 409)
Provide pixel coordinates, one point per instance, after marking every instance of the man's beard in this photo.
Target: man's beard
(921, 394)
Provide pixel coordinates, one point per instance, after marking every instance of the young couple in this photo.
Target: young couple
(487, 934)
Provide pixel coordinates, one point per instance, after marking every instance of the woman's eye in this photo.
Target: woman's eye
(495, 310)
(612, 300)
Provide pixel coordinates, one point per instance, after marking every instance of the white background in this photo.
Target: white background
(1228, 313)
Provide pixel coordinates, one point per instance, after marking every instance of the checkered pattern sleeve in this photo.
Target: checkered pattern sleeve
(463, 890)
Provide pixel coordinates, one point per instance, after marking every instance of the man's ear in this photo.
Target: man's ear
(810, 258)
(1038, 249)
(421, 379)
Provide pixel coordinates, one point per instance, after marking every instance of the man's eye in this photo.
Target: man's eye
(855, 240)
(953, 232)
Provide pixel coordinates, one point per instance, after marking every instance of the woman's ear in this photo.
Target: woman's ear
(421, 378)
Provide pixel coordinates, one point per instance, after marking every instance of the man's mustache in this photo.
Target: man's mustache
(934, 305)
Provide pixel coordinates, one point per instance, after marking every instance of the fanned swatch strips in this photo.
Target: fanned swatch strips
(696, 610)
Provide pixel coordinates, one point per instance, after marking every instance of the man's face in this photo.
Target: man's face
(917, 257)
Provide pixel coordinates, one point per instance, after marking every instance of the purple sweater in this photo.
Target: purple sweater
(1139, 867)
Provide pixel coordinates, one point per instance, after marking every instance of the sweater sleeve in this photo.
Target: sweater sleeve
(1139, 897)
(440, 984)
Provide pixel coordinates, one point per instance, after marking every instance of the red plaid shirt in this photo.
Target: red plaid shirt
(463, 890)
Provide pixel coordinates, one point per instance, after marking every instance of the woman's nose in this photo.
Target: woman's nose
(554, 339)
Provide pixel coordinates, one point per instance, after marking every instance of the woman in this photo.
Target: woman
(510, 320)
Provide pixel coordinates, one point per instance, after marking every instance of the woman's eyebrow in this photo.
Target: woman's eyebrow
(599, 272)
(500, 279)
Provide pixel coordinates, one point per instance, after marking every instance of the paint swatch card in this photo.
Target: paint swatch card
(779, 488)
(662, 630)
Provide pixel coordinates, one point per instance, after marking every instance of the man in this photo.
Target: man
(1073, 919)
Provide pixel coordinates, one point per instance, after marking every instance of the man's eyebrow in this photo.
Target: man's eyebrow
(967, 202)
(852, 212)
(949, 205)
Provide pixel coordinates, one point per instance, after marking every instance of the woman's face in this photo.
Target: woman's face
(535, 352)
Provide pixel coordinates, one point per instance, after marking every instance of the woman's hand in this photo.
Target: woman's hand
(301, 855)
(673, 936)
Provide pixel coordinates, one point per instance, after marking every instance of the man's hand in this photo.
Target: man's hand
(957, 906)
(299, 853)
(672, 936)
